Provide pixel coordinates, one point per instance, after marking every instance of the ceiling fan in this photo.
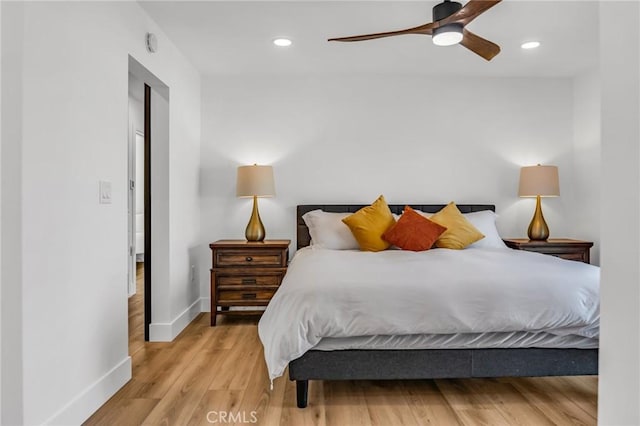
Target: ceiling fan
(448, 27)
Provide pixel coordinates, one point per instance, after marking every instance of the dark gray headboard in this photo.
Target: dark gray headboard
(304, 239)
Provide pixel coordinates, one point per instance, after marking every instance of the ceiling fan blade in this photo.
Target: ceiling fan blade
(469, 12)
(479, 45)
(425, 29)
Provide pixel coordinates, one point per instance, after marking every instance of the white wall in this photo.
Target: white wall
(619, 383)
(12, 308)
(0, 219)
(74, 250)
(586, 159)
(348, 139)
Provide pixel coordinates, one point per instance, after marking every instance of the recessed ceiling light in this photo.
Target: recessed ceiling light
(282, 42)
(530, 45)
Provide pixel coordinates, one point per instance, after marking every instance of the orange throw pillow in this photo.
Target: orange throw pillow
(413, 231)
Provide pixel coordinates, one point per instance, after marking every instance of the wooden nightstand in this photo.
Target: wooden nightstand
(246, 274)
(560, 247)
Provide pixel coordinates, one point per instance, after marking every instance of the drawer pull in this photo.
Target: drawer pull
(248, 281)
(249, 295)
(248, 258)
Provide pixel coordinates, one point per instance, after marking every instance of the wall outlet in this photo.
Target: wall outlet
(192, 273)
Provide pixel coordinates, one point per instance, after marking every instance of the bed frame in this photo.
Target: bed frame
(428, 363)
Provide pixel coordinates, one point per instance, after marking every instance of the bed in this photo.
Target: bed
(450, 348)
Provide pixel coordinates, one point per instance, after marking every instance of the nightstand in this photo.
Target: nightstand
(246, 274)
(560, 247)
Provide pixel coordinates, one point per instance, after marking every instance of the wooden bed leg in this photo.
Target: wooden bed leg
(302, 392)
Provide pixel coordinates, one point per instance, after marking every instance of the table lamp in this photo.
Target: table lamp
(538, 181)
(255, 181)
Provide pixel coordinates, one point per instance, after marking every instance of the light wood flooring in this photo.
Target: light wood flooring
(208, 371)
(136, 313)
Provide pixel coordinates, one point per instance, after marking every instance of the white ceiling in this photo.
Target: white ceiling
(235, 37)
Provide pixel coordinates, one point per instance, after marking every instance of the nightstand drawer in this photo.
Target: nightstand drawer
(224, 258)
(231, 280)
(571, 256)
(245, 295)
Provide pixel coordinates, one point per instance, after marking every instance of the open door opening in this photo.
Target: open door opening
(147, 230)
(139, 201)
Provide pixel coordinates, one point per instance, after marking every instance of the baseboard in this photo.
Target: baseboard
(166, 332)
(88, 401)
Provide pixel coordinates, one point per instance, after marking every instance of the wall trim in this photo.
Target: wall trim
(167, 331)
(89, 400)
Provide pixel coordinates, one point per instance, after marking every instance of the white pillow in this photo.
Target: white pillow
(485, 222)
(328, 231)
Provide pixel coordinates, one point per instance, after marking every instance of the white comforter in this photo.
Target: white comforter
(331, 293)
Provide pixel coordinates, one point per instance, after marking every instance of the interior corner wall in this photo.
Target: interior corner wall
(73, 250)
(619, 361)
(587, 160)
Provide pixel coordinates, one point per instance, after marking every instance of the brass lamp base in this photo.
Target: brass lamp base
(538, 229)
(255, 228)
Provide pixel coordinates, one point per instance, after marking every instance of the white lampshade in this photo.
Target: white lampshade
(539, 180)
(255, 180)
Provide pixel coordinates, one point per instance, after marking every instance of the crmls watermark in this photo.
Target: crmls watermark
(232, 417)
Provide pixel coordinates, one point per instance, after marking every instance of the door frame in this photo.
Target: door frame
(147, 210)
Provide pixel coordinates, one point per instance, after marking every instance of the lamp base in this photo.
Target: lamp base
(255, 229)
(538, 229)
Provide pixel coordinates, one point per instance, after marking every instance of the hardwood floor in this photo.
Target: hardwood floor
(217, 375)
(136, 312)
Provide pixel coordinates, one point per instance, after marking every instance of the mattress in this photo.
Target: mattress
(515, 339)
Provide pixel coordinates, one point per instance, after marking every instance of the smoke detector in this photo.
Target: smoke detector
(152, 43)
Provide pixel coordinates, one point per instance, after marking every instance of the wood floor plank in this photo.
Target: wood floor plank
(482, 417)
(234, 372)
(313, 415)
(387, 404)
(428, 404)
(505, 399)
(459, 396)
(581, 392)
(258, 397)
(125, 412)
(345, 404)
(185, 393)
(559, 410)
(269, 413)
(217, 406)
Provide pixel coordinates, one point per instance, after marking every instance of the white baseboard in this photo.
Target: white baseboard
(166, 332)
(88, 401)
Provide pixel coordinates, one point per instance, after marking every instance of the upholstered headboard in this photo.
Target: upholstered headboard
(304, 239)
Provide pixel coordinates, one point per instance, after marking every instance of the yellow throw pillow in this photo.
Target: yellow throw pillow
(369, 223)
(460, 232)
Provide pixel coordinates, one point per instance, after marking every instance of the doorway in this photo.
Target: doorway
(138, 238)
(147, 198)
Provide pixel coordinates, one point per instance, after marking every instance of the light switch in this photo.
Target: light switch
(105, 192)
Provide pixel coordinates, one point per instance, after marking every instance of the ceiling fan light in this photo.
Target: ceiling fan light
(447, 35)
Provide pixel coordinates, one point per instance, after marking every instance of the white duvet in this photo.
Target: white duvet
(344, 293)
